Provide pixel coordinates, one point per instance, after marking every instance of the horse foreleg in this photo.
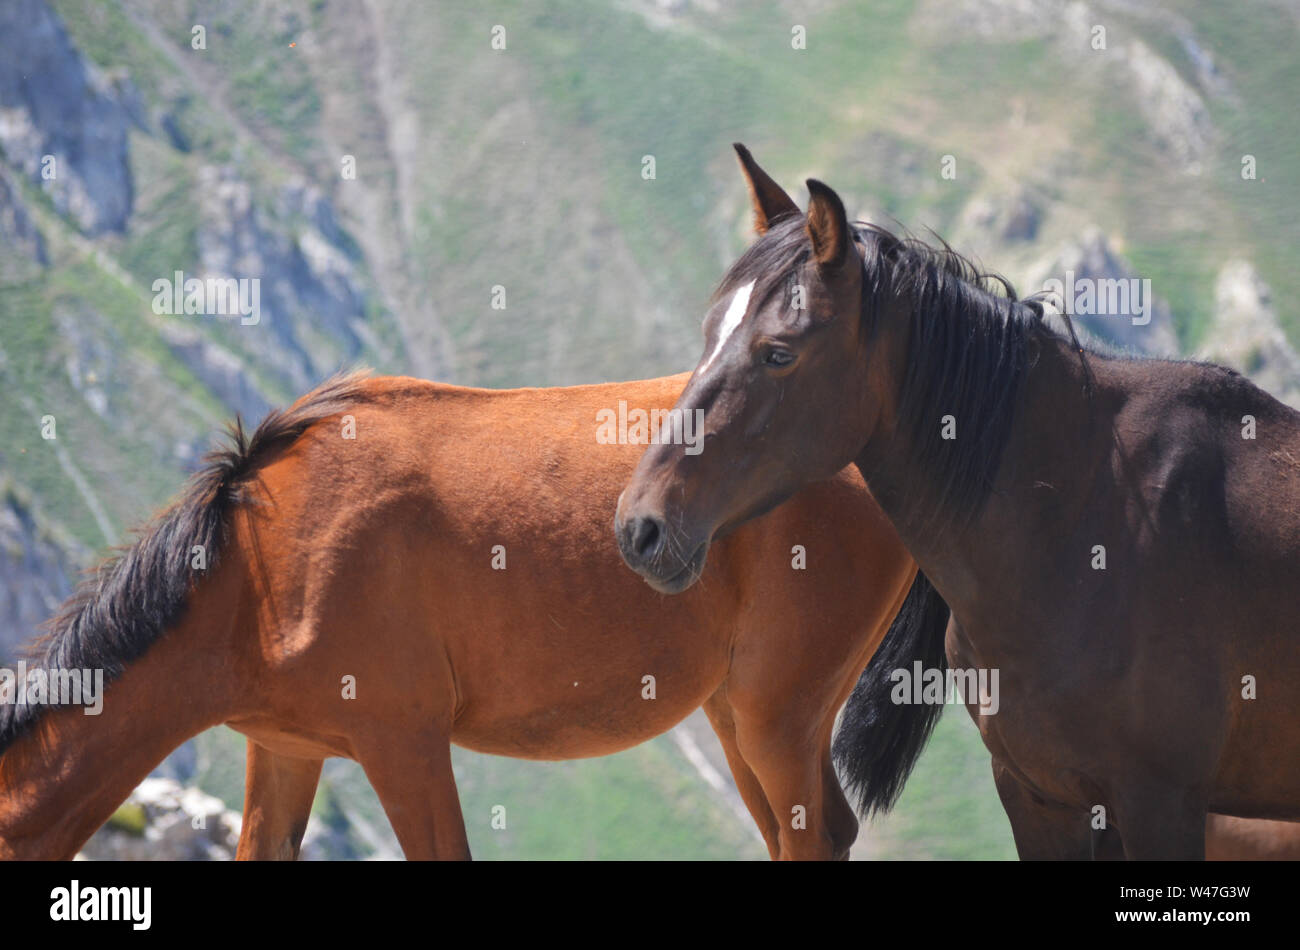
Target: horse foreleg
(278, 794)
(415, 784)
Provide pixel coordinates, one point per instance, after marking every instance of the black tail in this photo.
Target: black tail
(879, 740)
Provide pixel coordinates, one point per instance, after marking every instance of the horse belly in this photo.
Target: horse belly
(587, 696)
(1256, 786)
(1259, 773)
(583, 720)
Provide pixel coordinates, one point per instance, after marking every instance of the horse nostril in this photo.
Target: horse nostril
(646, 538)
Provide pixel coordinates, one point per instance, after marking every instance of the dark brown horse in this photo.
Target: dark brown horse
(1118, 538)
(394, 565)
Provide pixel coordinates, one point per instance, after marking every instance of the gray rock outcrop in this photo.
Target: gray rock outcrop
(165, 821)
(1245, 333)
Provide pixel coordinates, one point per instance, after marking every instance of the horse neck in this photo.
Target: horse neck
(1055, 415)
(66, 774)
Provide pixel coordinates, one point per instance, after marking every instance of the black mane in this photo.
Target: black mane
(967, 357)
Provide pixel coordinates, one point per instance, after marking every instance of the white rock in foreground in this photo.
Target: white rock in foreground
(181, 824)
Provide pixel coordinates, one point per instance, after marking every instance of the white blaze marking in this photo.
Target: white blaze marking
(730, 320)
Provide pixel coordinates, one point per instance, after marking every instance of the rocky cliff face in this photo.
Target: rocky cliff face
(1109, 300)
(1245, 333)
(105, 189)
(81, 246)
(36, 571)
(23, 244)
(311, 299)
(62, 122)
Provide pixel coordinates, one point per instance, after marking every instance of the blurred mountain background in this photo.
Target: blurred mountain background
(1169, 152)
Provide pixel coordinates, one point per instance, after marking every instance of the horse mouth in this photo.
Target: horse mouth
(683, 579)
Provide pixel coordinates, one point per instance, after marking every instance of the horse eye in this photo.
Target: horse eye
(778, 358)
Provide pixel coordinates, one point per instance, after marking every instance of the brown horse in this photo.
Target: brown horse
(1118, 538)
(394, 565)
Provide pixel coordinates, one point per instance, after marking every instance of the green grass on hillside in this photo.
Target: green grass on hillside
(949, 809)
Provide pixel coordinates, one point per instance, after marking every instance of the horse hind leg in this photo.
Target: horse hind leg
(751, 791)
(792, 762)
(780, 719)
(278, 794)
(841, 822)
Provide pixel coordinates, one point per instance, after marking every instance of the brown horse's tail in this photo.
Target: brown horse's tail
(131, 599)
(879, 740)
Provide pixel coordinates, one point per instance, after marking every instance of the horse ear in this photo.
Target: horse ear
(828, 225)
(770, 201)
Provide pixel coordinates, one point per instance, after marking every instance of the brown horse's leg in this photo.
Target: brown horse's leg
(719, 713)
(278, 793)
(415, 784)
(782, 716)
(1042, 832)
(840, 819)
